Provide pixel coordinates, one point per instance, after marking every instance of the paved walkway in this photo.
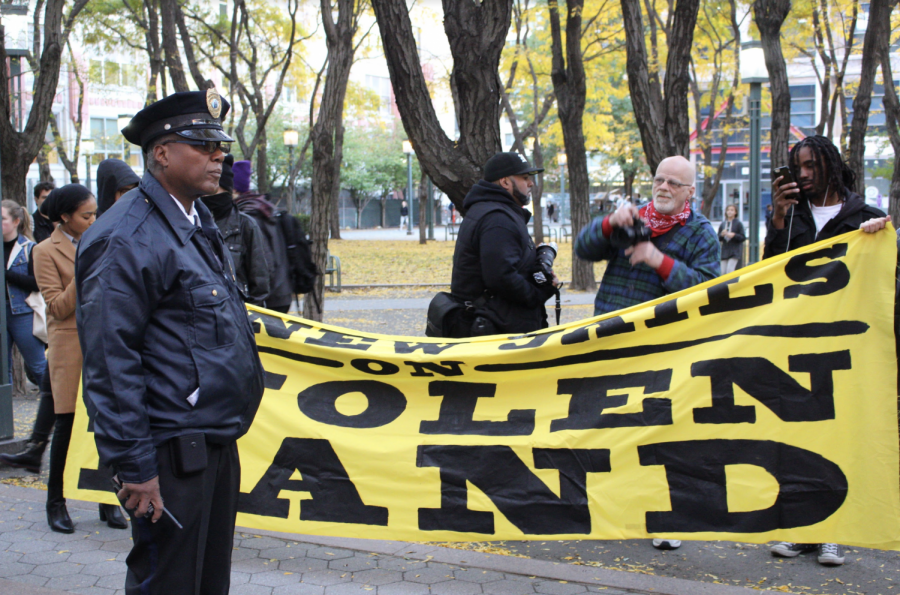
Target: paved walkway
(36, 561)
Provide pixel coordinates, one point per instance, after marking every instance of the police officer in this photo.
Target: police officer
(171, 375)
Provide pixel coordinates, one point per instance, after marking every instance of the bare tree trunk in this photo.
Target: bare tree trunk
(327, 138)
(570, 88)
(44, 166)
(662, 120)
(170, 45)
(477, 33)
(769, 15)
(423, 208)
(892, 121)
(19, 149)
(262, 165)
(875, 45)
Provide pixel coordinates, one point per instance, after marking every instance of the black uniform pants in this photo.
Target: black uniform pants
(195, 560)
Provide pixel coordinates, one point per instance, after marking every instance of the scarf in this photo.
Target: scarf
(659, 223)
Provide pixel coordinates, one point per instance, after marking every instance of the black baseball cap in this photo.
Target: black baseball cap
(502, 165)
(195, 115)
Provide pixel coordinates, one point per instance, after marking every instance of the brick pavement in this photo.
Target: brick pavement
(36, 561)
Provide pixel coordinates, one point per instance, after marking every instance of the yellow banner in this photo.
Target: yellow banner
(756, 407)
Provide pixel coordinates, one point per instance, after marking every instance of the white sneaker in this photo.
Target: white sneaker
(831, 554)
(667, 544)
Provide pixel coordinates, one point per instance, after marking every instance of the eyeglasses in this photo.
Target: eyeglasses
(207, 146)
(659, 181)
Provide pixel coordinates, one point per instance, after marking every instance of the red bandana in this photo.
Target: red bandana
(659, 223)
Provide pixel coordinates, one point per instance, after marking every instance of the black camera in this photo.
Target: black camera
(626, 237)
(546, 254)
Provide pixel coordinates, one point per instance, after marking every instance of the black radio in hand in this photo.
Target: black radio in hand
(626, 237)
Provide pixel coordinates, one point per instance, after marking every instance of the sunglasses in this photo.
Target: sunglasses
(206, 146)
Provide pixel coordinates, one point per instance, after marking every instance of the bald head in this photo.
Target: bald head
(673, 184)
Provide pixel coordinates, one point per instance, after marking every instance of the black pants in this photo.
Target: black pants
(43, 423)
(195, 560)
(58, 450)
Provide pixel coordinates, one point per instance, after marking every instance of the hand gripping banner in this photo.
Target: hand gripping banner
(759, 406)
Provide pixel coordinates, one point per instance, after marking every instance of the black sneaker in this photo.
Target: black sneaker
(831, 554)
(786, 549)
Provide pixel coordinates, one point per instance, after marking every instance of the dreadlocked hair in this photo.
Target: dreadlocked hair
(827, 157)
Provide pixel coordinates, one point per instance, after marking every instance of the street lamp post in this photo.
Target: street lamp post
(753, 72)
(121, 122)
(88, 146)
(291, 138)
(408, 149)
(562, 160)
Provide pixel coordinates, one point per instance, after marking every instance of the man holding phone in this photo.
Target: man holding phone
(812, 200)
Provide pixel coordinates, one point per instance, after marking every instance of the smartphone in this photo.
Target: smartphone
(784, 173)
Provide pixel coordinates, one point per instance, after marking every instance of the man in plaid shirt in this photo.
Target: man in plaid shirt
(682, 252)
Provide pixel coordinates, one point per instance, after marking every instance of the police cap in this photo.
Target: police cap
(195, 115)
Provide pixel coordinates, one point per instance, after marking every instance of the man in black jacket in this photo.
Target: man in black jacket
(820, 205)
(43, 227)
(495, 261)
(243, 239)
(171, 374)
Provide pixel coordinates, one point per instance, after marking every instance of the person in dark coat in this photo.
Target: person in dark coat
(171, 372)
(257, 206)
(43, 227)
(114, 179)
(731, 236)
(495, 260)
(817, 206)
(242, 237)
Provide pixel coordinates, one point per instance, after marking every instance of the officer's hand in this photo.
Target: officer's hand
(555, 281)
(624, 216)
(138, 496)
(647, 253)
(784, 196)
(877, 224)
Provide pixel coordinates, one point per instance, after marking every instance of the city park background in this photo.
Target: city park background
(345, 107)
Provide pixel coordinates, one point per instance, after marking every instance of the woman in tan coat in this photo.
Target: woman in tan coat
(75, 209)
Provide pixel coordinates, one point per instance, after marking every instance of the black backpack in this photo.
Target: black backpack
(303, 269)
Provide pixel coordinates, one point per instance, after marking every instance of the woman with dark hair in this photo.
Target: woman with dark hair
(74, 208)
(20, 283)
(731, 236)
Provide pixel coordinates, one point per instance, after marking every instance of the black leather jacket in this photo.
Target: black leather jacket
(249, 254)
(159, 315)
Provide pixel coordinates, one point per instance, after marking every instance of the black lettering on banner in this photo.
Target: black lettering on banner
(375, 366)
(341, 340)
(94, 479)
(518, 493)
(720, 299)
(590, 396)
(835, 273)
(427, 348)
(299, 357)
(334, 497)
(274, 381)
(774, 388)
(812, 488)
(458, 407)
(605, 328)
(385, 403)
(666, 313)
(536, 341)
(431, 368)
(275, 327)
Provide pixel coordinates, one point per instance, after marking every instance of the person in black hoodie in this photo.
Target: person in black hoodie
(820, 204)
(243, 239)
(114, 179)
(281, 292)
(495, 258)
(43, 227)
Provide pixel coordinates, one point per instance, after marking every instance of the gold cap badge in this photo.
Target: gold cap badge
(213, 103)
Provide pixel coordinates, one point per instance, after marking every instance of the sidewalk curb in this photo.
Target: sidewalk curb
(628, 581)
